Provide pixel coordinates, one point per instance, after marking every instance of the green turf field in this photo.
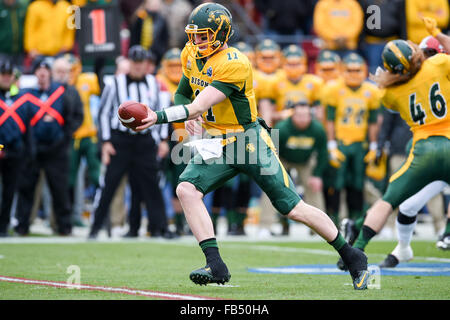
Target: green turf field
(164, 266)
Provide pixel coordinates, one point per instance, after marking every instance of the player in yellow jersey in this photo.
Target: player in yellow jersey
(85, 138)
(328, 68)
(220, 77)
(267, 74)
(417, 88)
(297, 84)
(352, 106)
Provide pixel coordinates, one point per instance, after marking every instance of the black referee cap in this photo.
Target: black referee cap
(6, 66)
(137, 53)
(41, 63)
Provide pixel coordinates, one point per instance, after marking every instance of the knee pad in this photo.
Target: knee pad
(404, 219)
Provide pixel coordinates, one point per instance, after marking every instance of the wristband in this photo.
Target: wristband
(373, 146)
(332, 144)
(172, 114)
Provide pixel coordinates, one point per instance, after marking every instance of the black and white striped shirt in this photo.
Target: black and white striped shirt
(122, 89)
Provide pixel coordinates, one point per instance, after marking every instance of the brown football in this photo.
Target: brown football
(131, 113)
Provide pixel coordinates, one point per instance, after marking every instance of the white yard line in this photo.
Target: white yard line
(129, 291)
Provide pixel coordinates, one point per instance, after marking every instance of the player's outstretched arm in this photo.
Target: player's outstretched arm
(432, 28)
(208, 97)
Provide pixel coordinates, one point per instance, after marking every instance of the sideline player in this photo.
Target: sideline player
(352, 106)
(220, 77)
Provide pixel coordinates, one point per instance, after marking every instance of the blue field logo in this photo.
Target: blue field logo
(403, 269)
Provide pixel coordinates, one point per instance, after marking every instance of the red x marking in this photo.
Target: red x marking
(10, 111)
(46, 107)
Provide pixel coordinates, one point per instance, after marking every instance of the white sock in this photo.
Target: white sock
(405, 233)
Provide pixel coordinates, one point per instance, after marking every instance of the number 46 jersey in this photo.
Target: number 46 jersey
(229, 71)
(423, 101)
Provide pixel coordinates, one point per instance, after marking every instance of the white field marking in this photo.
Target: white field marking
(137, 292)
(1, 256)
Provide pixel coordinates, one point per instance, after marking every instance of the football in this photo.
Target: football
(131, 113)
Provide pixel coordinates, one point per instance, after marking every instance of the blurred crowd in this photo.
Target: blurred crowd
(310, 58)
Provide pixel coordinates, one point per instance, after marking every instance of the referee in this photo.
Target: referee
(127, 152)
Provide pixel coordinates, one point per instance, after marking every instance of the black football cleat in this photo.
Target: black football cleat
(358, 270)
(361, 280)
(203, 276)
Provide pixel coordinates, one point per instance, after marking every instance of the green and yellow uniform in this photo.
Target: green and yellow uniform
(351, 110)
(422, 103)
(308, 87)
(235, 120)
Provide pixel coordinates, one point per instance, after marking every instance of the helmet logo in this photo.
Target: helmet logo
(219, 18)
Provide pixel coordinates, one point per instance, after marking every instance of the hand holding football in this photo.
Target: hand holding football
(131, 113)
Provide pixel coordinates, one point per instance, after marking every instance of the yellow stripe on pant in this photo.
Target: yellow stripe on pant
(266, 138)
(405, 166)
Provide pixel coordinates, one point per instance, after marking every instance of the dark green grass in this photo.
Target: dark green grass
(166, 266)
